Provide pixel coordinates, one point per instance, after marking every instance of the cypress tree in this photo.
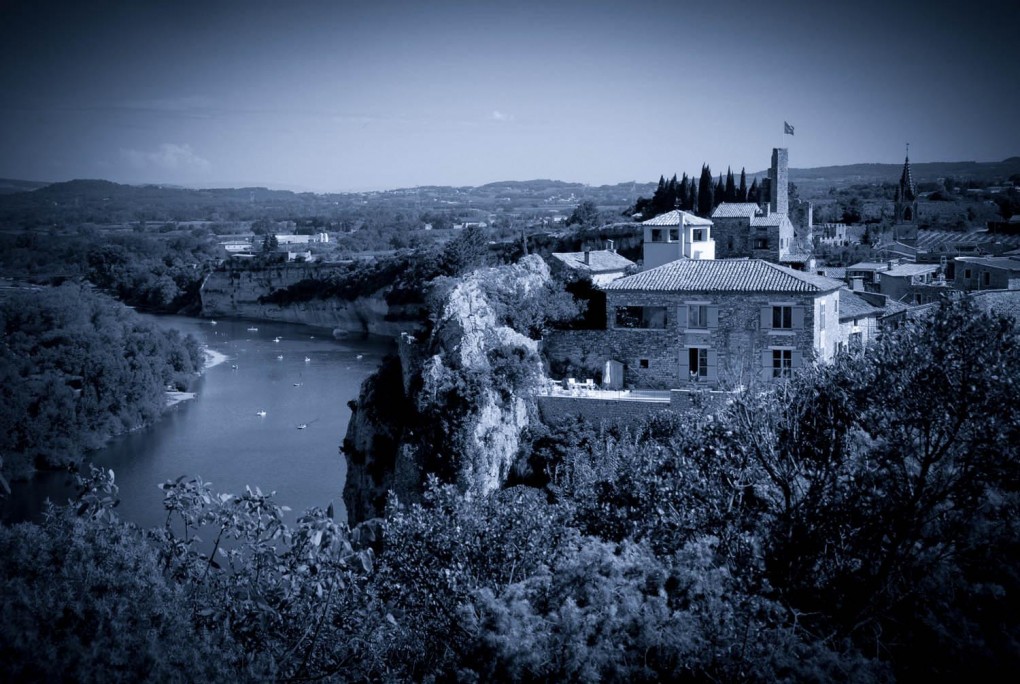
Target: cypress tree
(731, 188)
(685, 193)
(754, 194)
(705, 194)
(742, 192)
(720, 192)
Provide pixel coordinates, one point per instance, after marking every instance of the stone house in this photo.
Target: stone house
(912, 283)
(987, 273)
(723, 322)
(602, 265)
(859, 318)
(864, 274)
(676, 235)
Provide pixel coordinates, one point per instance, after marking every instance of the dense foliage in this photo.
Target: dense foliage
(157, 273)
(76, 368)
(858, 523)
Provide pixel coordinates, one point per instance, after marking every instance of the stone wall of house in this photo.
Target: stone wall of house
(867, 326)
(828, 336)
(732, 237)
(658, 358)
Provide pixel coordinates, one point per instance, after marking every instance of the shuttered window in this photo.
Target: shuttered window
(782, 317)
(702, 316)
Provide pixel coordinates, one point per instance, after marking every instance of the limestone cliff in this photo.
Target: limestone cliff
(465, 392)
(234, 292)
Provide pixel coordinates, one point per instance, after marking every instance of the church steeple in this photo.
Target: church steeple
(906, 195)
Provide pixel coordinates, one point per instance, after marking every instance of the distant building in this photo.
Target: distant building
(864, 274)
(237, 246)
(912, 283)
(834, 234)
(987, 273)
(302, 239)
(905, 208)
(603, 265)
(677, 235)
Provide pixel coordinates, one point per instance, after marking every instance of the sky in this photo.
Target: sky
(349, 96)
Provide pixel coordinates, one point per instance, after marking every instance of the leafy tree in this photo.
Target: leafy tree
(270, 243)
(585, 215)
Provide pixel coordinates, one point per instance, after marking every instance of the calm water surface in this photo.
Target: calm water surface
(306, 378)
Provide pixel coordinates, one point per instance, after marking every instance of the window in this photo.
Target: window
(698, 235)
(674, 235)
(697, 316)
(657, 235)
(643, 363)
(782, 317)
(697, 363)
(821, 315)
(966, 273)
(644, 317)
(761, 243)
(782, 363)
(988, 278)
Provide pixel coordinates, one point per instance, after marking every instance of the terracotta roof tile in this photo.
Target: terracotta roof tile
(673, 218)
(736, 210)
(724, 275)
(599, 261)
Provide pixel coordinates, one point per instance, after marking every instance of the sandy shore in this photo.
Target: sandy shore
(213, 358)
(174, 398)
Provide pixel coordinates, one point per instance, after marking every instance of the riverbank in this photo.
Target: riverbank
(212, 358)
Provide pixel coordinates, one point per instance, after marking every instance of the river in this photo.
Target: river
(298, 376)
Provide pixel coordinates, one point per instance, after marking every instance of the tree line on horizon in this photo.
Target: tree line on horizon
(699, 196)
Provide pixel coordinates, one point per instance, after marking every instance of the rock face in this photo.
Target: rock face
(235, 293)
(467, 396)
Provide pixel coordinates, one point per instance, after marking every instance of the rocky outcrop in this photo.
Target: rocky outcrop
(236, 293)
(465, 403)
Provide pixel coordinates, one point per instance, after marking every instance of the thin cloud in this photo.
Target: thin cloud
(167, 157)
(501, 116)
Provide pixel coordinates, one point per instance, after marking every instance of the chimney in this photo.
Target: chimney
(587, 257)
(611, 246)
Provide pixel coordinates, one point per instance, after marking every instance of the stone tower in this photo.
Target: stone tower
(906, 198)
(779, 181)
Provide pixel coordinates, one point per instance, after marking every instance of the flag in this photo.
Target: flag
(787, 128)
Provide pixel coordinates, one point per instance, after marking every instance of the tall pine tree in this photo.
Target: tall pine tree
(742, 191)
(720, 192)
(731, 188)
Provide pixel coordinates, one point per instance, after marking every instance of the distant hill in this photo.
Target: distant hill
(9, 185)
(921, 172)
(100, 201)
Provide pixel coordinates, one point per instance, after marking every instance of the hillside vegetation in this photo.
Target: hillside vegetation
(857, 524)
(77, 368)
